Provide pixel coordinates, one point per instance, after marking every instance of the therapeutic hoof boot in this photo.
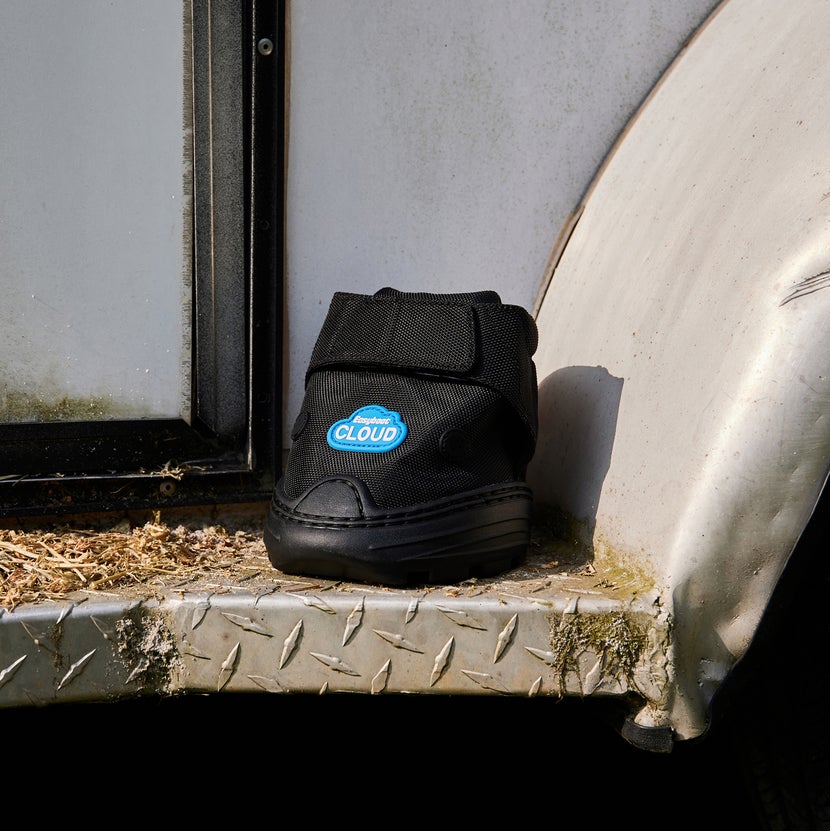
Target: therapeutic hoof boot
(409, 454)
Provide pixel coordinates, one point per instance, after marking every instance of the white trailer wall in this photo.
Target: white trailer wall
(441, 145)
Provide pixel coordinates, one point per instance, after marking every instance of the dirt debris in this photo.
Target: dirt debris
(49, 563)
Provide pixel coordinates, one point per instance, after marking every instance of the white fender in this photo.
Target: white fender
(684, 341)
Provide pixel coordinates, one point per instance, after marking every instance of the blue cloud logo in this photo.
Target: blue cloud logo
(371, 429)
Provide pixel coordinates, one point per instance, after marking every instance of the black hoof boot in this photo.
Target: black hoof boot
(410, 451)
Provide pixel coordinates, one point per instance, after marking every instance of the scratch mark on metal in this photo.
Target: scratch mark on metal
(808, 286)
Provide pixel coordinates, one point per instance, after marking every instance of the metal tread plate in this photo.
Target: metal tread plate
(554, 626)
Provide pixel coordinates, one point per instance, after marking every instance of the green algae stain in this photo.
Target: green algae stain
(17, 407)
(573, 541)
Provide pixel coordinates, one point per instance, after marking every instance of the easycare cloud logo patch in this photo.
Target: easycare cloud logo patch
(371, 429)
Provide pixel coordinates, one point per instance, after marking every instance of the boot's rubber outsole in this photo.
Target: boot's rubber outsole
(475, 534)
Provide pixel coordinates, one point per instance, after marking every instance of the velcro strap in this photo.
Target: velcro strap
(395, 333)
(488, 343)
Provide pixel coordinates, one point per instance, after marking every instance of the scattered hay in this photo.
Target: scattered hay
(49, 564)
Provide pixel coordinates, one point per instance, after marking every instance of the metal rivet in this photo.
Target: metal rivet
(265, 46)
(167, 488)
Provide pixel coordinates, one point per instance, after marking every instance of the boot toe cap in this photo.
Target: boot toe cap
(332, 498)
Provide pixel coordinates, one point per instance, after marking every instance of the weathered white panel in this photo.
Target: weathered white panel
(95, 312)
(684, 360)
(441, 146)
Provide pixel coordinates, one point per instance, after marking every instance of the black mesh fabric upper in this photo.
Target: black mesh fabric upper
(416, 471)
(483, 341)
(457, 362)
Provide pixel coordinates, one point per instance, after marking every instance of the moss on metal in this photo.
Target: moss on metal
(618, 639)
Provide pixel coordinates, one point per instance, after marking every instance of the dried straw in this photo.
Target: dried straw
(49, 564)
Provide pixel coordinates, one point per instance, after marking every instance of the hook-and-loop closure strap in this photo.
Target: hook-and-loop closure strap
(488, 343)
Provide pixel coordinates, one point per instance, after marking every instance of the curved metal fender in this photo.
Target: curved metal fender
(684, 341)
